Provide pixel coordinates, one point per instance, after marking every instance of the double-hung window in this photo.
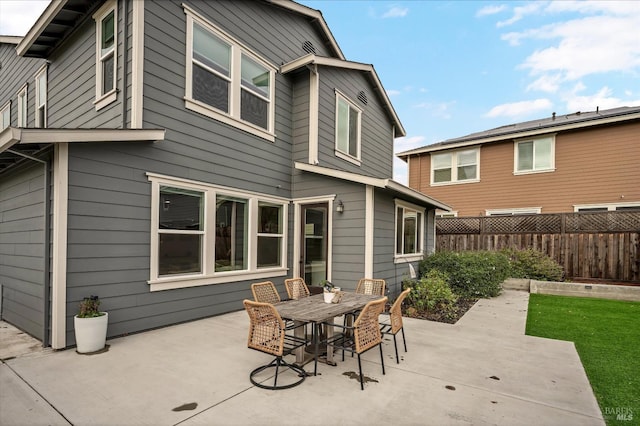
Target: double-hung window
(534, 155)
(455, 167)
(206, 234)
(41, 98)
(409, 230)
(22, 106)
(347, 129)
(106, 55)
(226, 81)
(5, 116)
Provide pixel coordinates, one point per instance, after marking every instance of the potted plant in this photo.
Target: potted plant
(329, 290)
(90, 326)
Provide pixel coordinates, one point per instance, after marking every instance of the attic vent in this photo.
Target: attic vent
(362, 97)
(308, 47)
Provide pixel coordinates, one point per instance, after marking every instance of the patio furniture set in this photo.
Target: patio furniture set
(280, 328)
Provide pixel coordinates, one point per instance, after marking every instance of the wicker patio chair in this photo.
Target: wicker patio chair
(371, 286)
(265, 292)
(296, 288)
(363, 335)
(267, 333)
(395, 322)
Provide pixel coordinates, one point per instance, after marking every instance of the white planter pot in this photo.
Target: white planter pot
(91, 333)
(329, 295)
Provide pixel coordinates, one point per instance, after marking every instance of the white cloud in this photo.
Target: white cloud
(17, 17)
(396, 12)
(549, 83)
(587, 46)
(602, 99)
(522, 108)
(393, 92)
(520, 12)
(490, 10)
(406, 143)
(440, 110)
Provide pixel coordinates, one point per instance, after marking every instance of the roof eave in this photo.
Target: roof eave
(43, 21)
(12, 136)
(388, 184)
(314, 14)
(517, 135)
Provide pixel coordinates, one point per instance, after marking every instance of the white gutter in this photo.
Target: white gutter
(12, 135)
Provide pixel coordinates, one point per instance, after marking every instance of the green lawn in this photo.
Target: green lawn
(607, 336)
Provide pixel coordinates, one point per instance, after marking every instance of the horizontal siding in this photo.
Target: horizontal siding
(592, 166)
(300, 121)
(72, 80)
(109, 193)
(22, 249)
(376, 129)
(14, 73)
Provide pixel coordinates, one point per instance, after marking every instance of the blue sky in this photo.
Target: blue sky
(456, 67)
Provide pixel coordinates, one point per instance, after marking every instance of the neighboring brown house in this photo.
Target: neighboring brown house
(585, 161)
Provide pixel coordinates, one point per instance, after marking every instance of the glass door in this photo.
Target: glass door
(313, 261)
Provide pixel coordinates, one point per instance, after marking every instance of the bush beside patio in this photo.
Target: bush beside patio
(451, 282)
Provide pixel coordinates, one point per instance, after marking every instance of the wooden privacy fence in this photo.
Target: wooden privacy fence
(602, 245)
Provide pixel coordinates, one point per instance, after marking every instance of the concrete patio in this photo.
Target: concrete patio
(482, 370)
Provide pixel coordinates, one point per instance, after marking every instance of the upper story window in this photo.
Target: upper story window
(106, 56)
(205, 234)
(409, 230)
(534, 155)
(225, 81)
(513, 211)
(455, 167)
(41, 98)
(5, 116)
(603, 207)
(22, 106)
(347, 129)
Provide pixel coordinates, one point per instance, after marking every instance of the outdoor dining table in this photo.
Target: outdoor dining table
(313, 309)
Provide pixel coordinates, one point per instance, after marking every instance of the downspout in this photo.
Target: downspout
(47, 244)
(125, 36)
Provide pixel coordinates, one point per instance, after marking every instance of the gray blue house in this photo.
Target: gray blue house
(164, 155)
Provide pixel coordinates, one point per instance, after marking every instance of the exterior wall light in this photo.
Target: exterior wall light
(340, 207)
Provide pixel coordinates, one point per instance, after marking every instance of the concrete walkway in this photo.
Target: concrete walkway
(481, 371)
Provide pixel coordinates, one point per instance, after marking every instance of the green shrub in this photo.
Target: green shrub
(472, 274)
(534, 265)
(432, 293)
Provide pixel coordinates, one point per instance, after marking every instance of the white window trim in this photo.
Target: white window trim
(23, 104)
(104, 99)
(339, 153)
(297, 232)
(6, 107)
(411, 257)
(514, 211)
(442, 213)
(454, 167)
(38, 74)
(609, 206)
(551, 168)
(209, 275)
(237, 50)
